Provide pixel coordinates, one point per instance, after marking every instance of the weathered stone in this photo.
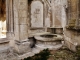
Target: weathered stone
(15, 13)
(47, 22)
(36, 14)
(57, 13)
(16, 20)
(20, 19)
(23, 20)
(71, 45)
(22, 47)
(59, 30)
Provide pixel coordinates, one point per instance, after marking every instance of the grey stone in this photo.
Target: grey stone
(36, 14)
(22, 47)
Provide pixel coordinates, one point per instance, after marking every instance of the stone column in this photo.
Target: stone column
(56, 13)
(22, 15)
(20, 26)
(20, 19)
(53, 13)
(9, 19)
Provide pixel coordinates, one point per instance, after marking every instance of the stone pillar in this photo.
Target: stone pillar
(9, 19)
(20, 19)
(53, 14)
(20, 26)
(56, 13)
(23, 9)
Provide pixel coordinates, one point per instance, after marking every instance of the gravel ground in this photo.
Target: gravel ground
(62, 54)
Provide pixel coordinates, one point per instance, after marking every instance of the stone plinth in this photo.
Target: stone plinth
(22, 47)
(49, 39)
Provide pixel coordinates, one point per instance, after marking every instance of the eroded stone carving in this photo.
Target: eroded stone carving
(36, 14)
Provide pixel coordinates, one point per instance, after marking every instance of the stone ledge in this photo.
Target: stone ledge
(54, 38)
(4, 40)
(50, 47)
(55, 27)
(73, 27)
(33, 28)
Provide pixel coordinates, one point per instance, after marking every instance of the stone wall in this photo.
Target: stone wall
(58, 13)
(72, 36)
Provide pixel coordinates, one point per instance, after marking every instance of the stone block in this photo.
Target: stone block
(22, 47)
(22, 2)
(77, 38)
(70, 44)
(22, 6)
(20, 32)
(23, 32)
(23, 35)
(47, 22)
(16, 28)
(23, 28)
(15, 13)
(16, 31)
(16, 36)
(22, 13)
(23, 20)
(16, 20)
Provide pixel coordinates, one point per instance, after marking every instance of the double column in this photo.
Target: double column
(9, 19)
(17, 19)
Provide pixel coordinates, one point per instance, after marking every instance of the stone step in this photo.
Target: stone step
(4, 49)
(38, 48)
(50, 47)
(49, 42)
(49, 37)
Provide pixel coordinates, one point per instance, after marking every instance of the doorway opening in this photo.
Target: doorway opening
(3, 19)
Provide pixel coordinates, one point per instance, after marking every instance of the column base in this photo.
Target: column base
(22, 47)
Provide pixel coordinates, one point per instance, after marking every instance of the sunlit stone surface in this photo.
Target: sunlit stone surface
(3, 29)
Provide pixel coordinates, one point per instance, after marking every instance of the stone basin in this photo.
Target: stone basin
(49, 37)
(48, 40)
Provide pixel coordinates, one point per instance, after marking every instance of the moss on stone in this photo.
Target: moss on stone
(72, 22)
(78, 52)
